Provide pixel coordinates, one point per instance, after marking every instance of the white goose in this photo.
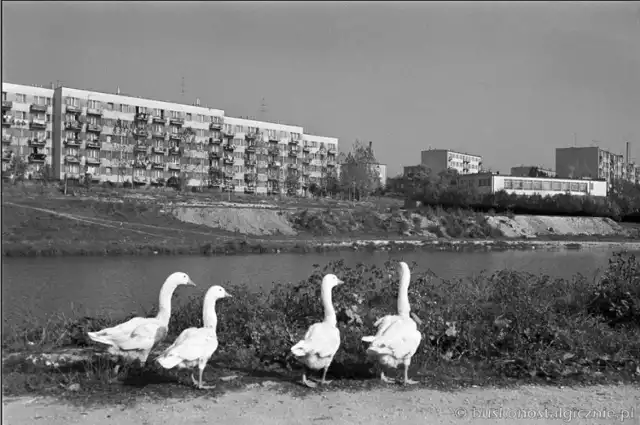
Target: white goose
(398, 338)
(195, 346)
(322, 340)
(134, 339)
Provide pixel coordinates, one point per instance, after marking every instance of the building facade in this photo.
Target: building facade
(589, 162)
(27, 127)
(117, 138)
(488, 183)
(529, 170)
(439, 160)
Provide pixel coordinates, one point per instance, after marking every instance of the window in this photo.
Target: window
(174, 114)
(4, 95)
(72, 168)
(537, 185)
(189, 116)
(72, 151)
(239, 129)
(110, 108)
(157, 112)
(546, 185)
(48, 117)
(139, 172)
(517, 184)
(573, 187)
(20, 115)
(557, 186)
(21, 98)
(93, 153)
(93, 104)
(582, 187)
(565, 186)
(527, 185)
(124, 108)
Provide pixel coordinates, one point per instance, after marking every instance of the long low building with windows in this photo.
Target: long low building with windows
(117, 138)
(546, 186)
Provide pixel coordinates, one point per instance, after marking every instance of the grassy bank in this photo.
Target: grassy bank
(507, 326)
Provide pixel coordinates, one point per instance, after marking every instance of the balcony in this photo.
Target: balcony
(140, 147)
(158, 134)
(331, 164)
(228, 160)
(7, 120)
(94, 128)
(249, 177)
(71, 109)
(272, 178)
(274, 152)
(250, 136)
(92, 161)
(6, 156)
(306, 161)
(158, 151)
(250, 163)
(94, 111)
(157, 165)
(306, 172)
(159, 120)
(214, 141)
(138, 163)
(37, 157)
(37, 143)
(228, 134)
(173, 166)
(177, 121)
(250, 148)
(250, 189)
(294, 142)
(215, 126)
(274, 164)
(71, 159)
(228, 176)
(142, 116)
(37, 123)
(175, 136)
(93, 144)
(214, 155)
(292, 166)
(174, 150)
(7, 104)
(306, 149)
(293, 153)
(73, 142)
(37, 108)
(73, 125)
(273, 139)
(140, 132)
(322, 152)
(332, 152)
(229, 147)
(6, 139)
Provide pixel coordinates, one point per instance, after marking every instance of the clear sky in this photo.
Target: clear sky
(509, 81)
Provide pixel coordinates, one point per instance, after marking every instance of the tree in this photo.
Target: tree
(359, 174)
(292, 182)
(18, 167)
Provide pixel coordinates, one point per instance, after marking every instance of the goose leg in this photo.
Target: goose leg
(408, 381)
(116, 379)
(305, 381)
(324, 376)
(383, 378)
(198, 383)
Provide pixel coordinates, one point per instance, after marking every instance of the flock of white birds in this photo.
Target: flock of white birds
(396, 341)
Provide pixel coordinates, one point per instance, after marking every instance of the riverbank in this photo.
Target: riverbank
(54, 225)
(268, 403)
(504, 327)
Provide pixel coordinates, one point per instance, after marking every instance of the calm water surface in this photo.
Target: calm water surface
(40, 287)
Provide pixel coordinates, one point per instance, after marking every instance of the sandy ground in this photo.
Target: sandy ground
(263, 404)
(532, 226)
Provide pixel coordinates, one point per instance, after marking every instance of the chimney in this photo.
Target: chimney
(118, 91)
(197, 101)
(52, 85)
(627, 154)
(370, 143)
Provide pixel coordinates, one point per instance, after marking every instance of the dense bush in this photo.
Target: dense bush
(512, 323)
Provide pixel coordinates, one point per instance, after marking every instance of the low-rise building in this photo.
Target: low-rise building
(532, 171)
(489, 183)
(589, 162)
(439, 160)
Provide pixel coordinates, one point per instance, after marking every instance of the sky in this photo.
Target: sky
(510, 81)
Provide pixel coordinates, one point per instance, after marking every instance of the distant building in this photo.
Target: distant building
(529, 170)
(439, 160)
(488, 183)
(589, 162)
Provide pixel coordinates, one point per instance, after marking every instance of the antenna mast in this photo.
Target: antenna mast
(182, 87)
(263, 109)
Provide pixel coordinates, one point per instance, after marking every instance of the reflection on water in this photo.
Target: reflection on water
(39, 287)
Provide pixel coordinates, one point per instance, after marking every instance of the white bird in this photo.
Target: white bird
(322, 340)
(134, 339)
(397, 338)
(195, 346)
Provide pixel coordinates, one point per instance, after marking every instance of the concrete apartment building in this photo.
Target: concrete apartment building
(120, 138)
(589, 162)
(439, 160)
(489, 183)
(27, 126)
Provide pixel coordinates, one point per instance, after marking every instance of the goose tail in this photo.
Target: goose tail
(368, 338)
(168, 361)
(99, 337)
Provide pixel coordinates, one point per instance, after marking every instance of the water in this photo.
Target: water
(39, 287)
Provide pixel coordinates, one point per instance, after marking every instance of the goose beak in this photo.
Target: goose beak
(191, 282)
(226, 294)
(340, 282)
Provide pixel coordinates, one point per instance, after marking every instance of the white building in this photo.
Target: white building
(438, 160)
(488, 183)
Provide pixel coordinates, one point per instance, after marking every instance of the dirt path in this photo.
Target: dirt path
(266, 406)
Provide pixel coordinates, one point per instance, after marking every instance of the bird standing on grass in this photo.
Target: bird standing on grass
(195, 346)
(322, 340)
(133, 340)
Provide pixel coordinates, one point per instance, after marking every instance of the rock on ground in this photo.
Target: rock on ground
(532, 226)
(266, 405)
(248, 221)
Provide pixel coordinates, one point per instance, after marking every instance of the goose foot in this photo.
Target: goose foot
(199, 385)
(410, 382)
(383, 378)
(307, 382)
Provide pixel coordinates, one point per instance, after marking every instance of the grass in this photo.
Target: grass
(507, 327)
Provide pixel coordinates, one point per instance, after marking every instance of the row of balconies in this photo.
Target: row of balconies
(35, 123)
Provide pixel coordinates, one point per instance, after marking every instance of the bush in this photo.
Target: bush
(510, 323)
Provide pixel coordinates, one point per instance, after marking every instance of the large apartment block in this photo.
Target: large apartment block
(26, 126)
(589, 162)
(438, 160)
(117, 138)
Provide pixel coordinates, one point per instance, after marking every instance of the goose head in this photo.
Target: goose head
(331, 280)
(179, 278)
(216, 292)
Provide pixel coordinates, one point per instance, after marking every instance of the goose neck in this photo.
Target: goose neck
(327, 303)
(164, 301)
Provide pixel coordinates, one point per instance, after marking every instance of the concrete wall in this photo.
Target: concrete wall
(577, 162)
